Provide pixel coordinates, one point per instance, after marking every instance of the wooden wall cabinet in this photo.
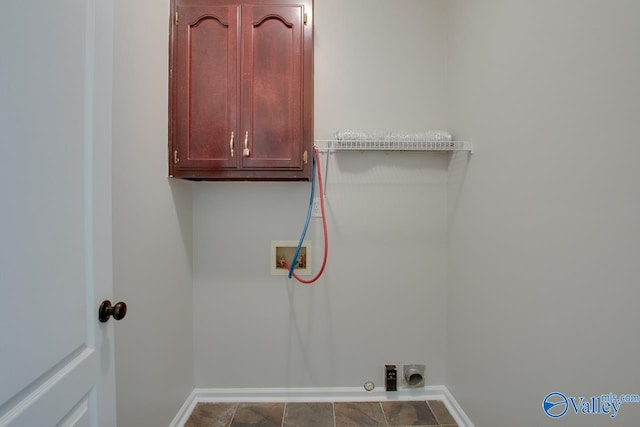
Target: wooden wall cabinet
(241, 90)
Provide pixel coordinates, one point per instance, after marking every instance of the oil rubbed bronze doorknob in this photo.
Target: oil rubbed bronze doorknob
(106, 310)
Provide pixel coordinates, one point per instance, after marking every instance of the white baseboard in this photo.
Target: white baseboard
(330, 394)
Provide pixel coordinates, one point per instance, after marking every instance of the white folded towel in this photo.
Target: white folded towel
(353, 135)
(425, 136)
(393, 137)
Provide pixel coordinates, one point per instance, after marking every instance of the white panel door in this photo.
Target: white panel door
(56, 359)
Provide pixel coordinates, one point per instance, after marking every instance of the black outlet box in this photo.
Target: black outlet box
(391, 377)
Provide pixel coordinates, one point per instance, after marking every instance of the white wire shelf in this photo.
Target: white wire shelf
(330, 145)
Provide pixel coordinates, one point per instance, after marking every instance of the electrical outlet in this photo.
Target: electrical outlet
(316, 211)
(284, 250)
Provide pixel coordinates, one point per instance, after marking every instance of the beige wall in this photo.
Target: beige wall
(543, 257)
(509, 276)
(151, 227)
(378, 66)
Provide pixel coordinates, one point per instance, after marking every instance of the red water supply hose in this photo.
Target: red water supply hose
(324, 229)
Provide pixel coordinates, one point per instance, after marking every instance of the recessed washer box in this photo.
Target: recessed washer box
(285, 250)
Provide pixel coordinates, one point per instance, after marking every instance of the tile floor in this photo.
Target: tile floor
(432, 413)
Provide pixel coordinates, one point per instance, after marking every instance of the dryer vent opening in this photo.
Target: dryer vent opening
(413, 375)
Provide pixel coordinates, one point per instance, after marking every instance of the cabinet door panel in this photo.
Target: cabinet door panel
(206, 97)
(272, 86)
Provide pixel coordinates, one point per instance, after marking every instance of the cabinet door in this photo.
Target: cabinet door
(206, 90)
(272, 87)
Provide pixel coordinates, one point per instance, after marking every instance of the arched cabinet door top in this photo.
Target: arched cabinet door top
(196, 21)
(272, 16)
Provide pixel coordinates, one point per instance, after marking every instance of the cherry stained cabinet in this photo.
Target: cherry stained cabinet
(241, 90)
